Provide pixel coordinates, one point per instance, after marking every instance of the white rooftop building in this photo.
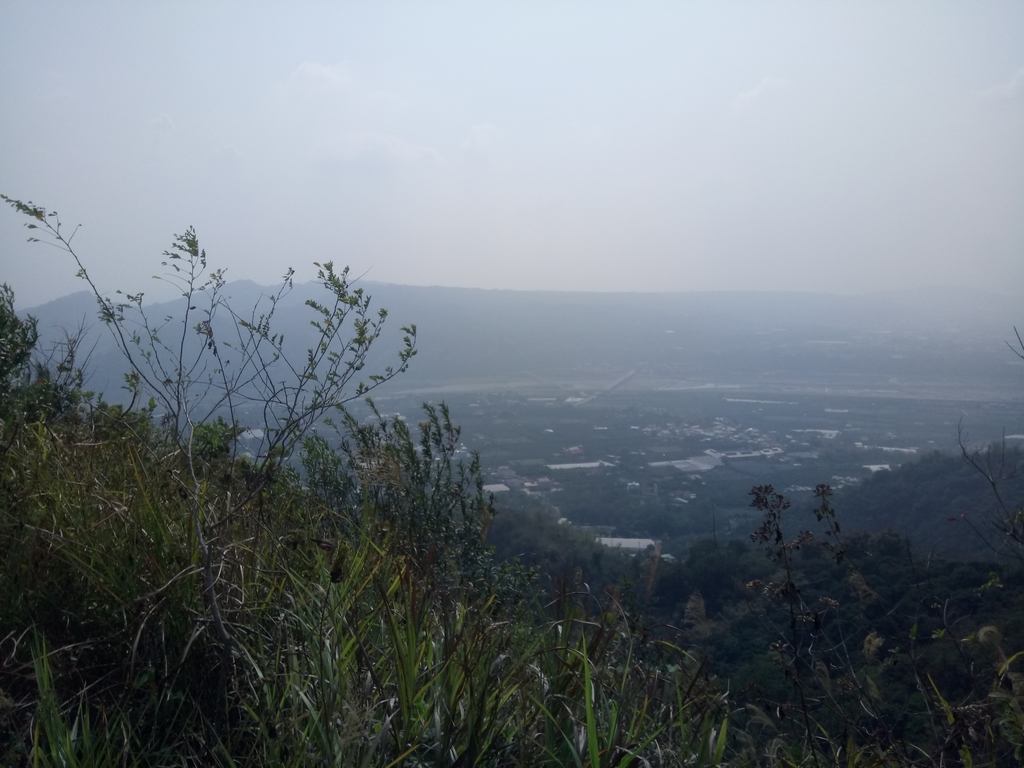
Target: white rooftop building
(630, 545)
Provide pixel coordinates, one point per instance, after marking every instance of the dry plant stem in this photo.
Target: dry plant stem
(172, 374)
(209, 584)
(794, 650)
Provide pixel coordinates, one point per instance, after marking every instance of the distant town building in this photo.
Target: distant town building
(583, 465)
(629, 545)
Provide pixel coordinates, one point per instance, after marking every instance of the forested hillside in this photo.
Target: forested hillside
(945, 502)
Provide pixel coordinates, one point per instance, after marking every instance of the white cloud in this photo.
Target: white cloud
(163, 125)
(313, 76)
(1007, 91)
(375, 150)
(749, 99)
(228, 163)
(481, 142)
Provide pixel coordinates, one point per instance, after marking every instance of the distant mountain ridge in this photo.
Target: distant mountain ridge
(486, 338)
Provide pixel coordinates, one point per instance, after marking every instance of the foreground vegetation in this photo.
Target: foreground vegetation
(168, 597)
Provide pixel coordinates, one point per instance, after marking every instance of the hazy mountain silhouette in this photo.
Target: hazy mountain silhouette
(496, 337)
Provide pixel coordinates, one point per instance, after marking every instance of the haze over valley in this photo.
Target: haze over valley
(629, 390)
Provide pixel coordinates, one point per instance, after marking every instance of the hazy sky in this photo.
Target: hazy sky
(684, 146)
